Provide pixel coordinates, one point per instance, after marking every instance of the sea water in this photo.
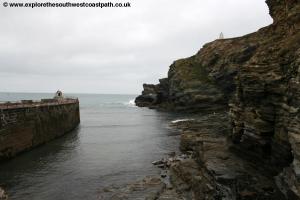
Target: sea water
(114, 144)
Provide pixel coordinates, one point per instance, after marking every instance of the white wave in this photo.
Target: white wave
(181, 120)
(130, 103)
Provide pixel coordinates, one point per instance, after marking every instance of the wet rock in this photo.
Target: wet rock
(149, 189)
(162, 166)
(216, 172)
(158, 162)
(163, 174)
(165, 163)
(170, 194)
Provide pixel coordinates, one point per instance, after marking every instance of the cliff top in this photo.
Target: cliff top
(283, 9)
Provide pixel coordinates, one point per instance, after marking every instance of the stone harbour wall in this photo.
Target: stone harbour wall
(24, 126)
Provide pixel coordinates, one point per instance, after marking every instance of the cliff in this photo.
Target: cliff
(252, 85)
(26, 125)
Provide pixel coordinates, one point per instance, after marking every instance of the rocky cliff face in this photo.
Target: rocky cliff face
(256, 79)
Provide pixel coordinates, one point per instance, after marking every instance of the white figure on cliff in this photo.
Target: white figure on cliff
(221, 37)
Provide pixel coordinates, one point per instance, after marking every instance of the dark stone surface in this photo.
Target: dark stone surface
(22, 129)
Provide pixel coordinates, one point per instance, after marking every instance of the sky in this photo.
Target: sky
(113, 50)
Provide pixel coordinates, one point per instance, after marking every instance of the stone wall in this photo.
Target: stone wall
(25, 127)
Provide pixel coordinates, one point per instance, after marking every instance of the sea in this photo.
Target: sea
(114, 144)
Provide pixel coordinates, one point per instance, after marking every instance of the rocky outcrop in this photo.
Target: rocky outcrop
(192, 85)
(255, 80)
(153, 95)
(215, 171)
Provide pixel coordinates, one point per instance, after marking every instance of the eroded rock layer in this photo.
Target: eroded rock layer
(255, 80)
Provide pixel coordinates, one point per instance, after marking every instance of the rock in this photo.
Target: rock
(216, 172)
(170, 194)
(153, 95)
(163, 175)
(167, 162)
(247, 90)
(149, 188)
(158, 162)
(162, 166)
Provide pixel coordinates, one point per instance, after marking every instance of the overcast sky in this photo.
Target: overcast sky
(113, 50)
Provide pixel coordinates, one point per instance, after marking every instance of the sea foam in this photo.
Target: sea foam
(180, 120)
(130, 103)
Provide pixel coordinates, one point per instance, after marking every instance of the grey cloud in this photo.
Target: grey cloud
(113, 50)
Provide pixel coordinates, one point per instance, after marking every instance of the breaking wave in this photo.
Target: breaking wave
(130, 103)
(181, 120)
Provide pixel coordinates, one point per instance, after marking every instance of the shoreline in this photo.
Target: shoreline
(206, 168)
(246, 93)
